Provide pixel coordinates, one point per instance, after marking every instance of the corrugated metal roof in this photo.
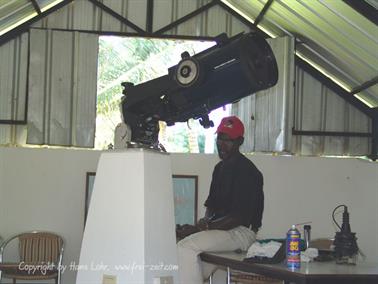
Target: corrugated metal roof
(16, 12)
(331, 35)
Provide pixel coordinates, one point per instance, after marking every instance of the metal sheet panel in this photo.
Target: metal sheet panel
(162, 14)
(368, 95)
(84, 15)
(14, 12)
(13, 82)
(331, 34)
(62, 88)
(13, 74)
(85, 89)
(168, 11)
(321, 28)
(211, 22)
(248, 9)
(44, 4)
(134, 11)
(13, 135)
(320, 109)
(267, 115)
(219, 21)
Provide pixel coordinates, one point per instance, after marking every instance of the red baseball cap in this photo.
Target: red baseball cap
(232, 126)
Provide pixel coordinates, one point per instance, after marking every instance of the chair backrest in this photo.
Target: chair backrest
(37, 247)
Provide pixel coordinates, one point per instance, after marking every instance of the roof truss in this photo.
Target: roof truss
(361, 6)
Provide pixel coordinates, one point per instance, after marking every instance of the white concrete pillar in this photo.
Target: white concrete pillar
(130, 229)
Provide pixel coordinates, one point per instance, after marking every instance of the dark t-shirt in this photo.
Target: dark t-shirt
(237, 190)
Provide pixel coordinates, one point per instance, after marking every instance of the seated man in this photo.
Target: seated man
(234, 207)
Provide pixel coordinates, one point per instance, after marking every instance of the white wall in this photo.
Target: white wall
(301, 189)
(44, 189)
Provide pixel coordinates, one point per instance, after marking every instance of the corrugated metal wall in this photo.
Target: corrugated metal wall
(13, 84)
(267, 115)
(211, 22)
(54, 124)
(83, 15)
(53, 111)
(62, 88)
(319, 109)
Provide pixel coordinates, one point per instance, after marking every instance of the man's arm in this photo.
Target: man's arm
(224, 223)
(204, 224)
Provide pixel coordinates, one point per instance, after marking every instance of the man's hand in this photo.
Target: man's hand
(203, 224)
(185, 230)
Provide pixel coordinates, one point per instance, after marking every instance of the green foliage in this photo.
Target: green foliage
(178, 141)
(136, 60)
(201, 143)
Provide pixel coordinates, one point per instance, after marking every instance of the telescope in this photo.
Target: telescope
(234, 68)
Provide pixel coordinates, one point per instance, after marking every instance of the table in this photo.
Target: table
(309, 273)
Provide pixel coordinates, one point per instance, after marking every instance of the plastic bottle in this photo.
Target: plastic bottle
(293, 253)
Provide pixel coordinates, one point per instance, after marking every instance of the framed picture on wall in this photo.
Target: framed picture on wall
(185, 193)
(90, 178)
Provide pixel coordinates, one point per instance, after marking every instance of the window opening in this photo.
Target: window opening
(138, 60)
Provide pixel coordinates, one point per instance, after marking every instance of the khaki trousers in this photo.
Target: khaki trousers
(191, 269)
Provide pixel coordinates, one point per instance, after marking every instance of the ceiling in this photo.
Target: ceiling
(333, 36)
(337, 38)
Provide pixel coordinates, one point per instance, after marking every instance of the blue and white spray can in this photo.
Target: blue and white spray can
(293, 252)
